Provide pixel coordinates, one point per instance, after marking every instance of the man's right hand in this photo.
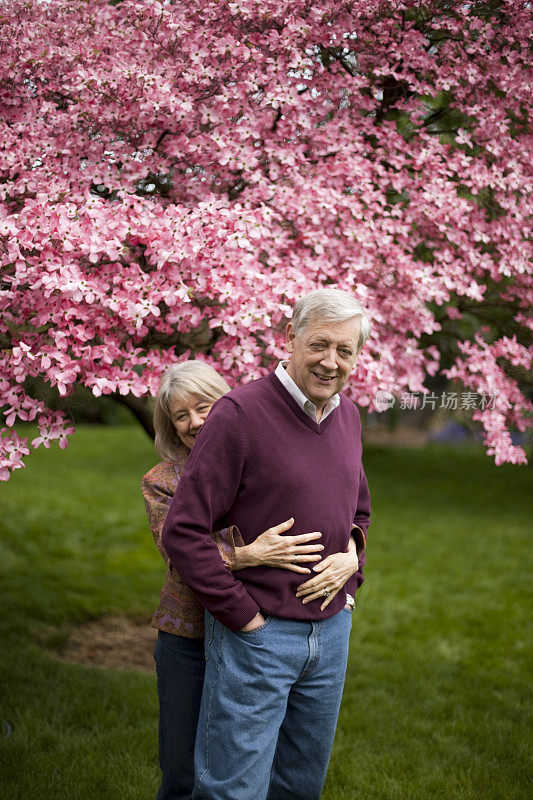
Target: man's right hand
(254, 623)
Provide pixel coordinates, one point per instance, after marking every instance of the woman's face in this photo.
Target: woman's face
(188, 416)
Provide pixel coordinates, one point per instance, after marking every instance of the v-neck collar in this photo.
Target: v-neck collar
(317, 427)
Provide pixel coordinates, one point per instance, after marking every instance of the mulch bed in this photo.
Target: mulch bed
(108, 643)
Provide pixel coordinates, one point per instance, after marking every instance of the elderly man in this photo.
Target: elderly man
(286, 445)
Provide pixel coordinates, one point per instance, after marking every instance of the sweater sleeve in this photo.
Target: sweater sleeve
(362, 515)
(204, 496)
(361, 522)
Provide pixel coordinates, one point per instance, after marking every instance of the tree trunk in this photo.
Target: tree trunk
(141, 408)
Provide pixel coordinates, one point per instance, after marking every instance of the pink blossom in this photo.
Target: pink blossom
(178, 193)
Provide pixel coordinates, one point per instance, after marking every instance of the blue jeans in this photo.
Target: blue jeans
(269, 708)
(180, 666)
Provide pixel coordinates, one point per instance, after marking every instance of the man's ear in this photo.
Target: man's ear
(289, 336)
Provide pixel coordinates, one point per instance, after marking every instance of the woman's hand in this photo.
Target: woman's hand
(333, 571)
(272, 549)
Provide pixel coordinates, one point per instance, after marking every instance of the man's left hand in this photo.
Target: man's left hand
(334, 572)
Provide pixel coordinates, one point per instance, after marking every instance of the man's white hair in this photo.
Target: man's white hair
(333, 305)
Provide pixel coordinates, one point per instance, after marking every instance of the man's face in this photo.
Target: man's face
(322, 357)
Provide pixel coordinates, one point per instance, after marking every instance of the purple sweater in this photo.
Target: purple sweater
(259, 460)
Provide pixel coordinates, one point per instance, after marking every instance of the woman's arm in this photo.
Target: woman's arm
(270, 549)
(158, 487)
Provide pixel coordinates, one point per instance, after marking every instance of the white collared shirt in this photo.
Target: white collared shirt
(303, 401)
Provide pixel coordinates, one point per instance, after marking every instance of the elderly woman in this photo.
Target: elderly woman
(187, 392)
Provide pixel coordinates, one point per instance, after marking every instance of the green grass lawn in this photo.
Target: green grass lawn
(436, 699)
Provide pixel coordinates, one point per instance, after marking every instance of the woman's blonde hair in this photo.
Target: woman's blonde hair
(184, 381)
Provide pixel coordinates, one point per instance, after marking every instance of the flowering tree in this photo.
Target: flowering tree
(174, 174)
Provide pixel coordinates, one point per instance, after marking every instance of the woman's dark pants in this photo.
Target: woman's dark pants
(180, 668)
